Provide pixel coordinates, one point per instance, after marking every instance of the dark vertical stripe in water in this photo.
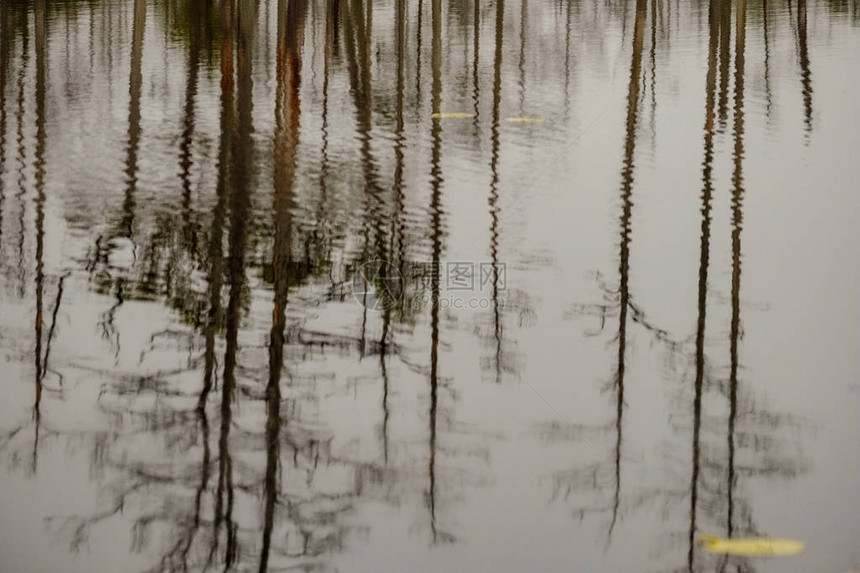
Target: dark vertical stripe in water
(5, 48)
(205, 462)
(22, 152)
(737, 225)
(624, 244)
(135, 84)
(291, 19)
(216, 234)
(215, 262)
(418, 47)
(396, 248)
(335, 29)
(236, 274)
(805, 70)
(39, 167)
(398, 235)
(377, 204)
(358, 58)
(476, 76)
(493, 198)
(369, 24)
(436, 237)
(725, 60)
(350, 39)
(186, 161)
(653, 58)
(359, 61)
(567, 31)
(767, 90)
(627, 171)
(241, 184)
(524, 13)
(715, 23)
(320, 234)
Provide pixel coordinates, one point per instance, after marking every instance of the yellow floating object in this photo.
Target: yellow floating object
(525, 120)
(751, 547)
(451, 115)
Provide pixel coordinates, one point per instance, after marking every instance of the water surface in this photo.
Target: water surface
(616, 306)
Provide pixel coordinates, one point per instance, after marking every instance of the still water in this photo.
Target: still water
(426, 285)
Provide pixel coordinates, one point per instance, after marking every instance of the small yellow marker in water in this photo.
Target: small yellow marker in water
(525, 120)
(751, 547)
(451, 115)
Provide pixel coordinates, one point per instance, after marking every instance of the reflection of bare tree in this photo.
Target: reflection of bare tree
(718, 36)
(240, 198)
(357, 35)
(737, 224)
(398, 225)
(146, 258)
(321, 241)
(493, 198)
(503, 357)
(397, 245)
(805, 71)
(39, 164)
(653, 73)
(434, 494)
(627, 203)
(24, 28)
(186, 161)
(725, 26)
(135, 84)
(357, 38)
(476, 51)
(595, 475)
(747, 425)
(567, 66)
(287, 114)
(195, 501)
(419, 21)
(216, 255)
(179, 466)
(524, 24)
(5, 50)
(767, 90)
(436, 225)
(112, 257)
(42, 340)
(713, 484)
(712, 490)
